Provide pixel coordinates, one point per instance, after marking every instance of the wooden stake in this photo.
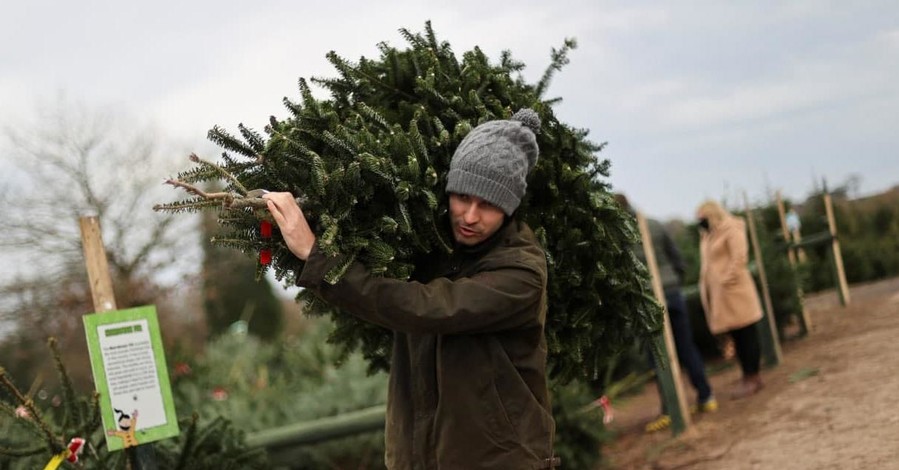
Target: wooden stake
(804, 317)
(676, 405)
(773, 353)
(837, 254)
(97, 266)
(141, 457)
(791, 254)
(800, 252)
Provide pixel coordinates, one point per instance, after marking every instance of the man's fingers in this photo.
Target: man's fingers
(282, 200)
(275, 203)
(276, 212)
(289, 216)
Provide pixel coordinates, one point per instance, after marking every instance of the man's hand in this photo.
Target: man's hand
(290, 219)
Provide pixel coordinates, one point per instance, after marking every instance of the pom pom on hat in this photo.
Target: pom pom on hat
(492, 162)
(529, 118)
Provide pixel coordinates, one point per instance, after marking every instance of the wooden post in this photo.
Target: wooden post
(800, 252)
(772, 348)
(141, 457)
(670, 379)
(791, 254)
(835, 249)
(97, 266)
(804, 318)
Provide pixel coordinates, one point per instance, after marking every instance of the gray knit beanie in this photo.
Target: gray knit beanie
(494, 159)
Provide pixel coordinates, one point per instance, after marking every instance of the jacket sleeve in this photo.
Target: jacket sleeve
(738, 249)
(677, 261)
(490, 301)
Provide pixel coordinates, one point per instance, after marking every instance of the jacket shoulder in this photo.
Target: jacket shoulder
(519, 247)
(733, 224)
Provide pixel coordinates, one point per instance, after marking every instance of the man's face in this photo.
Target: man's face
(473, 219)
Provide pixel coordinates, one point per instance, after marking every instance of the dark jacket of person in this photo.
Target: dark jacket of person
(467, 381)
(668, 257)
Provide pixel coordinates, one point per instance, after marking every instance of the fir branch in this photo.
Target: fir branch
(414, 40)
(224, 197)
(72, 411)
(40, 426)
(254, 140)
(213, 428)
(228, 141)
(197, 174)
(342, 65)
(510, 64)
(559, 60)
(309, 102)
(92, 451)
(337, 272)
(295, 146)
(417, 141)
(372, 115)
(340, 89)
(294, 108)
(189, 205)
(227, 200)
(228, 176)
(8, 409)
(431, 37)
(28, 451)
(337, 143)
(377, 81)
(94, 419)
(236, 243)
(248, 202)
(187, 447)
(427, 85)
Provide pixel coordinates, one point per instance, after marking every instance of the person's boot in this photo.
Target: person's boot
(658, 424)
(750, 385)
(710, 405)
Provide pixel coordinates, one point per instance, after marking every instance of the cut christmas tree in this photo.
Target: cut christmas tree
(369, 164)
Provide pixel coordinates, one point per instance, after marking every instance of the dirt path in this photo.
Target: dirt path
(831, 404)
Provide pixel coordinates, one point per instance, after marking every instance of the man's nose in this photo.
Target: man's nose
(472, 214)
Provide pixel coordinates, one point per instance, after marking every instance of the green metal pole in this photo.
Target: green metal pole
(768, 326)
(311, 432)
(667, 367)
(668, 388)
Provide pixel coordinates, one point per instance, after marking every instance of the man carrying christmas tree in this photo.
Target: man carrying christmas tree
(467, 381)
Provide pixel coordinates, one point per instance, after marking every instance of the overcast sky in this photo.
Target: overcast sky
(702, 99)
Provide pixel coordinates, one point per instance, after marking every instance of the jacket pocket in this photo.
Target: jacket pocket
(496, 419)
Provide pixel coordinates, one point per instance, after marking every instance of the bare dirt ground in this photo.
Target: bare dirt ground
(833, 403)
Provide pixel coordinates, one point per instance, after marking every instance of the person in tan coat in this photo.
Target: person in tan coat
(727, 291)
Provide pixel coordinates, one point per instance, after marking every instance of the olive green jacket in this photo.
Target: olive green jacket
(467, 381)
